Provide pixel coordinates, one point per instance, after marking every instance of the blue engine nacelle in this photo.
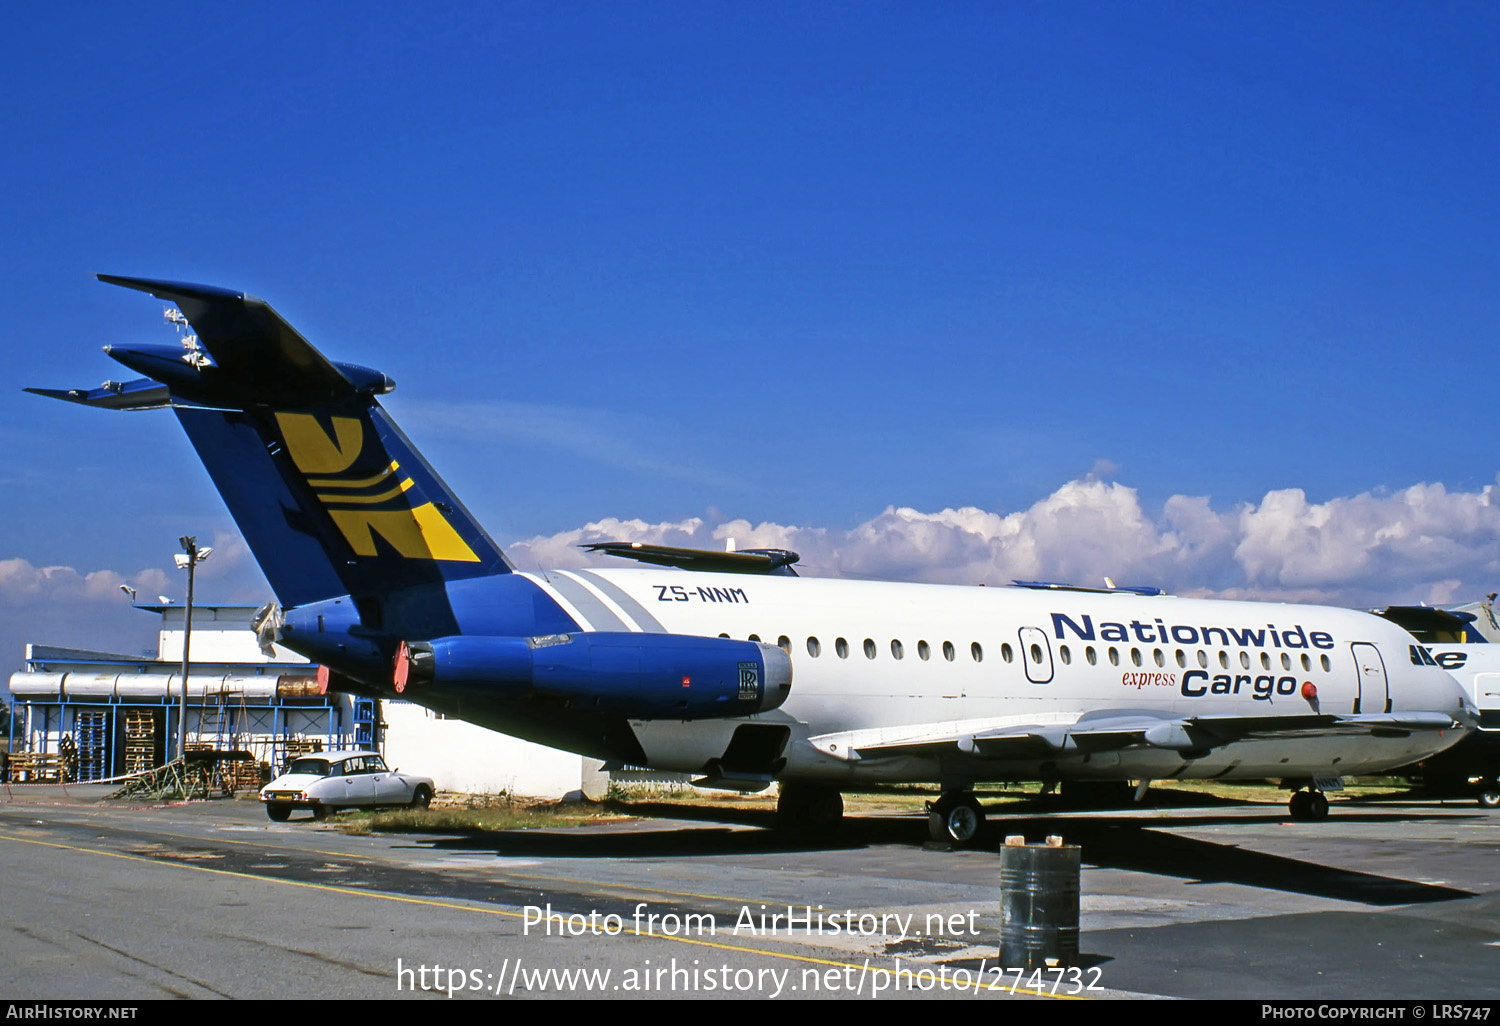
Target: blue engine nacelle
(639, 676)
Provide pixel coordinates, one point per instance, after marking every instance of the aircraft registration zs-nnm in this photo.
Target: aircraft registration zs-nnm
(387, 581)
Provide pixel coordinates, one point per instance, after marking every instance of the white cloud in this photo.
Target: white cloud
(1420, 544)
(1423, 543)
(22, 584)
(59, 605)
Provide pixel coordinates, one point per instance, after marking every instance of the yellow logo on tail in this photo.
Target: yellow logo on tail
(364, 504)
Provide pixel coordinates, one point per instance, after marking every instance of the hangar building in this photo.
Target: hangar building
(103, 715)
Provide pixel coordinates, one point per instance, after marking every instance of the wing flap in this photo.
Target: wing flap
(1100, 731)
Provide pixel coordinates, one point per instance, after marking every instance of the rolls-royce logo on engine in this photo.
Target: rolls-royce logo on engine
(749, 682)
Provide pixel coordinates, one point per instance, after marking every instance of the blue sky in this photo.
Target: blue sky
(800, 265)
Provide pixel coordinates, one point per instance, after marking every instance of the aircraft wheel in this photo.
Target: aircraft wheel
(956, 818)
(809, 808)
(1489, 795)
(1309, 805)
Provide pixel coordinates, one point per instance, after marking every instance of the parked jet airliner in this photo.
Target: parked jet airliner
(728, 665)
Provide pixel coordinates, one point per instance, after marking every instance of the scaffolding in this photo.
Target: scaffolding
(92, 726)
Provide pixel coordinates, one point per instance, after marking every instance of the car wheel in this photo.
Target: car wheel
(1489, 796)
(320, 812)
(279, 813)
(421, 797)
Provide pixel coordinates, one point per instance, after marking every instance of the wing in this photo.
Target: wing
(743, 561)
(1192, 736)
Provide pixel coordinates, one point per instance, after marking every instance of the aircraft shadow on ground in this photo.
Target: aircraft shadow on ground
(1108, 841)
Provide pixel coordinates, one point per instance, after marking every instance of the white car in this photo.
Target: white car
(325, 781)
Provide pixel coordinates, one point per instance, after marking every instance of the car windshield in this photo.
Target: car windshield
(310, 767)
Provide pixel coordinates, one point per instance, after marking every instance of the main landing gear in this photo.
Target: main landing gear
(809, 808)
(956, 817)
(1309, 804)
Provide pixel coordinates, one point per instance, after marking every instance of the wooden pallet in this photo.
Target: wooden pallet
(140, 741)
(28, 767)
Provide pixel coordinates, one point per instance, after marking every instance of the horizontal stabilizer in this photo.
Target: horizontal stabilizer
(140, 394)
(331, 497)
(258, 359)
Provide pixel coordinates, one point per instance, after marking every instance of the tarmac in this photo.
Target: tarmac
(1395, 900)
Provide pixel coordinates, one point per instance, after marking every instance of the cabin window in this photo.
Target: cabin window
(1064, 654)
(948, 651)
(1286, 661)
(1326, 664)
(976, 652)
(755, 637)
(1156, 654)
(1088, 654)
(897, 652)
(924, 650)
(785, 644)
(1181, 657)
(814, 647)
(1114, 656)
(841, 647)
(869, 648)
(1006, 653)
(1307, 662)
(1135, 656)
(1265, 660)
(1036, 654)
(1203, 658)
(723, 635)
(1223, 659)
(1245, 660)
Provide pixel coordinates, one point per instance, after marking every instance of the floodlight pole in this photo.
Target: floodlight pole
(189, 546)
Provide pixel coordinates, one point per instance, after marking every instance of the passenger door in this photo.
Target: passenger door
(1036, 655)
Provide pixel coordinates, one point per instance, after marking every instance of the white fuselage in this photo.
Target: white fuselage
(890, 659)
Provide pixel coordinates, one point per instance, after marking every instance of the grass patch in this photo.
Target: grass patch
(479, 814)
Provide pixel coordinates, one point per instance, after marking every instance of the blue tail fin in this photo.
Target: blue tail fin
(331, 497)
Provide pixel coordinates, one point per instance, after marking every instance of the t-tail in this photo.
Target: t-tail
(384, 577)
(331, 497)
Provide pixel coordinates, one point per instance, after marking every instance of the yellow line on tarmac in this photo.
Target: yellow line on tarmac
(384, 896)
(352, 857)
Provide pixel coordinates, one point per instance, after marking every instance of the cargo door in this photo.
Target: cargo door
(1374, 693)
